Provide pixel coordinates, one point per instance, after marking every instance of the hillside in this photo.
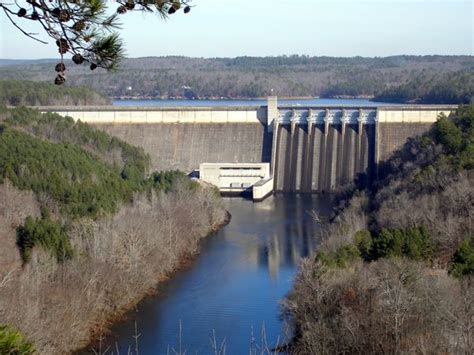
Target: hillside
(292, 76)
(394, 271)
(30, 93)
(86, 230)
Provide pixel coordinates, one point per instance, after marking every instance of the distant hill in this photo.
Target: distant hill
(389, 78)
(8, 62)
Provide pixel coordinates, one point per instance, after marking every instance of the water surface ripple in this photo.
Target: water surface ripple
(235, 284)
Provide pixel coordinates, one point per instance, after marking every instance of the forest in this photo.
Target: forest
(86, 229)
(29, 93)
(394, 270)
(408, 79)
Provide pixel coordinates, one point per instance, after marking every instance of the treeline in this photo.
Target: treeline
(454, 88)
(395, 268)
(30, 93)
(86, 230)
(292, 76)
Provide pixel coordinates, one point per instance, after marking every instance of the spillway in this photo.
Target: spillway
(322, 150)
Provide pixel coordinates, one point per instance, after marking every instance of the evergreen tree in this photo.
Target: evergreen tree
(84, 29)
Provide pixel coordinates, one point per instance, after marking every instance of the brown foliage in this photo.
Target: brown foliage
(389, 306)
(15, 206)
(448, 213)
(119, 259)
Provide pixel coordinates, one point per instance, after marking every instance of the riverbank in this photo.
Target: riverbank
(394, 269)
(119, 260)
(86, 231)
(234, 287)
(184, 262)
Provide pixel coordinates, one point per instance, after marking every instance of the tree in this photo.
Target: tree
(84, 28)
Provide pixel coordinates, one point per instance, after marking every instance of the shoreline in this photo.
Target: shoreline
(185, 263)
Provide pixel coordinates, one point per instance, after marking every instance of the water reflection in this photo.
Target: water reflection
(234, 286)
(284, 248)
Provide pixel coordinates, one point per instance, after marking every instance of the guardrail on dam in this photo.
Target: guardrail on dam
(310, 148)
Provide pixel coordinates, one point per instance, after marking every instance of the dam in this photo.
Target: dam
(308, 148)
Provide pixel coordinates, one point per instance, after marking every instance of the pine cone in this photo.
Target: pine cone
(60, 67)
(64, 16)
(78, 59)
(62, 50)
(34, 15)
(176, 5)
(79, 26)
(121, 10)
(60, 79)
(63, 45)
(187, 9)
(130, 5)
(62, 42)
(93, 66)
(21, 12)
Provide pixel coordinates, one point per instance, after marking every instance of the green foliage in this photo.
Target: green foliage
(14, 343)
(456, 135)
(85, 171)
(47, 234)
(72, 165)
(81, 184)
(412, 242)
(89, 35)
(463, 260)
(134, 162)
(164, 180)
(363, 242)
(446, 132)
(340, 258)
(30, 93)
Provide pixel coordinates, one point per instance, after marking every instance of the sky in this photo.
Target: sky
(230, 28)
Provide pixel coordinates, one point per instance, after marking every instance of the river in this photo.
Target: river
(234, 287)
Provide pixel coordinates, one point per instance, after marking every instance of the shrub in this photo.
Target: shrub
(463, 259)
(340, 258)
(14, 343)
(446, 132)
(164, 180)
(363, 242)
(413, 242)
(43, 232)
(418, 244)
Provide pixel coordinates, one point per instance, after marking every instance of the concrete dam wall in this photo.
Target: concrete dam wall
(184, 137)
(184, 146)
(310, 149)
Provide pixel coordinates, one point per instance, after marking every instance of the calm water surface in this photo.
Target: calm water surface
(302, 102)
(235, 284)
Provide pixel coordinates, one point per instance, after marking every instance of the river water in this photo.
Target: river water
(234, 287)
(232, 291)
